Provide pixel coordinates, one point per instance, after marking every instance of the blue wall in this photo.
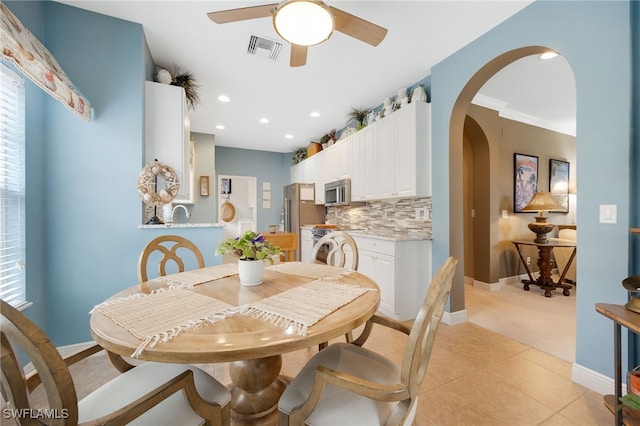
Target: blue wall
(594, 37)
(83, 239)
(270, 167)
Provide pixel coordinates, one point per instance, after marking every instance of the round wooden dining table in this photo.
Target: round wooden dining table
(253, 346)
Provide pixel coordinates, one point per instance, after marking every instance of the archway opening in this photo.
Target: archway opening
(477, 216)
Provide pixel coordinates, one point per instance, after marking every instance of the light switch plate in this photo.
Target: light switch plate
(608, 213)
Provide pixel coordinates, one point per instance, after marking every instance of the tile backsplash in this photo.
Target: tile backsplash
(400, 216)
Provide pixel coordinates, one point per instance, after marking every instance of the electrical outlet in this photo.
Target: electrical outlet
(528, 261)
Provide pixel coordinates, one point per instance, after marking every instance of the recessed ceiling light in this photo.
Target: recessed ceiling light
(315, 114)
(288, 136)
(224, 98)
(220, 126)
(264, 120)
(548, 55)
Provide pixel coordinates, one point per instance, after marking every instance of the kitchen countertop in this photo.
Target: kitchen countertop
(385, 234)
(182, 225)
(392, 235)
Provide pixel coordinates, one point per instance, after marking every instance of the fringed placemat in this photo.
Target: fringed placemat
(303, 306)
(164, 314)
(188, 279)
(310, 270)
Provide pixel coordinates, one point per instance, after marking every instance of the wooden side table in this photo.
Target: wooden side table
(545, 281)
(631, 320)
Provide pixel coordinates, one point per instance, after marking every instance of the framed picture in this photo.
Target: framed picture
(525, 180)
(559, 182)
(225, 186)
(204, 186)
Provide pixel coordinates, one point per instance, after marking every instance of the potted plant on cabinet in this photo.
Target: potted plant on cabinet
(359, 115)
(252, 250)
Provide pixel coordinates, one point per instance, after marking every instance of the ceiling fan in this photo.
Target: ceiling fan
(305, 23)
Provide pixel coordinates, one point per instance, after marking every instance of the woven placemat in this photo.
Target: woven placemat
(164, 314)
(301, 307)
(310, 270)
(188, 279)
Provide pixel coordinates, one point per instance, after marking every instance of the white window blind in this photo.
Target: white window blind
(12, 187)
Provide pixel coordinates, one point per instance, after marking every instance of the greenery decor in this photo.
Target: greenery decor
(250, 246)
(631, 401)
(359, 115)
(299, 155)
(186, 80)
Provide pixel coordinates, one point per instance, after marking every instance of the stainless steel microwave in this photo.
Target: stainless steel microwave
(337, 193)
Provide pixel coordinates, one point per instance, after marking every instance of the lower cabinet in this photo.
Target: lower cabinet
(306, 245)
(402, 270)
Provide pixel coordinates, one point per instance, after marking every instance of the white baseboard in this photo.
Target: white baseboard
(593, 380)
(487, 286)
(453, 318)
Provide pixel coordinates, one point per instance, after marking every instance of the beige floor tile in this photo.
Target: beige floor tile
(589, 410)
(549, 362)
(541, 384)
(479, 399)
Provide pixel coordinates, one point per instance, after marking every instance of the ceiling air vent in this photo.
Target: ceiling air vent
(264, 47)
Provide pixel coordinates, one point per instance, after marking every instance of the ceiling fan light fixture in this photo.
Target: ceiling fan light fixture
(304, 22)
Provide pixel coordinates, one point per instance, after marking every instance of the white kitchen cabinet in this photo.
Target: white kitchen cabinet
(363, 161)
(306, 245)
(404, 152)
(412, 150)
(390, 158)
(167, 134)
(402, 270)
(319, 174)
(337, 159)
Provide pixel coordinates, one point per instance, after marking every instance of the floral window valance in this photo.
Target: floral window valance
(30, 56)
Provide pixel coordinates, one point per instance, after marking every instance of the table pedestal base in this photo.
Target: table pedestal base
(256, 391)
(544, 281)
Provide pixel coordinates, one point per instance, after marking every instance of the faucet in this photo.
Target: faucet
(186, 212)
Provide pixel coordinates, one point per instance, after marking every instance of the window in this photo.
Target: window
(12, 187)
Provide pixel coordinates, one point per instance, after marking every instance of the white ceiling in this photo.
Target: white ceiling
(340, 74)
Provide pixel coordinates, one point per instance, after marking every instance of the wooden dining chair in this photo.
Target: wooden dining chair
(148, 394)
(168, 246)
(338, 242)
(365, 387)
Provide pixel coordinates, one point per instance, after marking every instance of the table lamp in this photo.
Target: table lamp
(632, 284)
(542, 202)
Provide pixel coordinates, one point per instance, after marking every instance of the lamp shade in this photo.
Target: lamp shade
(543, 201)
(304, 22)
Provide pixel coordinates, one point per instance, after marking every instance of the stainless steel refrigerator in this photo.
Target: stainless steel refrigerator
(300, 209)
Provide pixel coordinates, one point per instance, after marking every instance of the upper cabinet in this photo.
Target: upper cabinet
(167, 134)
(405, 150)
(390, 158)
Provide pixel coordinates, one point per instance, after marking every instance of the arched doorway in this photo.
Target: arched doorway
(476, 213)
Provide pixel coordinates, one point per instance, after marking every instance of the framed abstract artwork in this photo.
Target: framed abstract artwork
(525, 180)
(559, 182)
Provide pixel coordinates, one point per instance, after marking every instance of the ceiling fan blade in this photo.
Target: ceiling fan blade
(242, 14)
(358, 28)
(298, 55)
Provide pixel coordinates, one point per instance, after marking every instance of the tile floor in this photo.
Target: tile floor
(479, 377)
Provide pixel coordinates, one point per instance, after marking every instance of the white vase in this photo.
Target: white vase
(251, 272)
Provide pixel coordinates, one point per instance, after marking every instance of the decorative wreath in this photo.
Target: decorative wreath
(147, 180)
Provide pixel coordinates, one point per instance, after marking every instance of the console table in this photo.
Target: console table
(545, 281)
(631, 320)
